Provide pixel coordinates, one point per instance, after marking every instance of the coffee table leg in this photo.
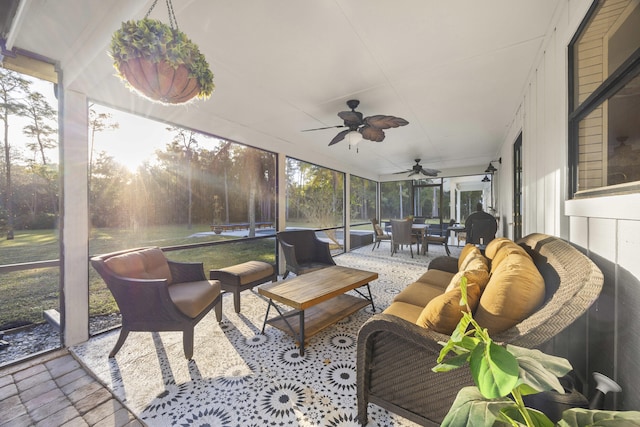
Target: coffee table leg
(373, 307)
(266, 316)
(368, 298)
(301, 332)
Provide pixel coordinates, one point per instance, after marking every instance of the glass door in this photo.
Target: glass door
(517, 188)
(428, 203)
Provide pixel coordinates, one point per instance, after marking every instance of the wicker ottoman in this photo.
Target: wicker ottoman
(240, 277)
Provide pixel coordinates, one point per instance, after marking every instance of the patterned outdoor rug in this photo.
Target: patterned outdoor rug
(240, 377)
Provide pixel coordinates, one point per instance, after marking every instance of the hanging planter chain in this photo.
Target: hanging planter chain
(173, 22)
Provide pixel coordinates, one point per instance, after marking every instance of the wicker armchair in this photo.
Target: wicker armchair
(155, 294)
(395, 357)
(304, 252)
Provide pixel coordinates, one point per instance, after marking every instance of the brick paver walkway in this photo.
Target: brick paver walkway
(55, 390)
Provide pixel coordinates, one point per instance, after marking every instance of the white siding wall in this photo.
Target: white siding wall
(542, 119)
(607, 227)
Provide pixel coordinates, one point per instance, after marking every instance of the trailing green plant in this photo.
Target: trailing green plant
(155, 41)
(502, 374)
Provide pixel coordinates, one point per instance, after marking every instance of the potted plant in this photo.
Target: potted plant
(160, 62)
(503, 375)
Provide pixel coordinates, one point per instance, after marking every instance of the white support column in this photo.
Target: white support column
(347, 212)
(282, 204)
(74, 219)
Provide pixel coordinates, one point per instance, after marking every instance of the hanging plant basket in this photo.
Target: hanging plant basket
(160, 62)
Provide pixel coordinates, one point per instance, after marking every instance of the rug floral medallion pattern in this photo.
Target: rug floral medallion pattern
(241, 377)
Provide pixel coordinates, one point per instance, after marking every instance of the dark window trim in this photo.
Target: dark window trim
(618, 79)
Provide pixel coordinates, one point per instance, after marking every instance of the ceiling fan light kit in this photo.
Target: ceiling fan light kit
(353, 138)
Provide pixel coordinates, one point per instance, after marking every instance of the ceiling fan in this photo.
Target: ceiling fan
(418, 170)
(370, 128)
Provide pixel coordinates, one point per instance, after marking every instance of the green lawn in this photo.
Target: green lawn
(24, 295)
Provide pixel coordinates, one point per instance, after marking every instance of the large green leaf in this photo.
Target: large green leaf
(472, 409)
(534, 375)
(577, 417)
(494, 370)
(451, 363)
(554, 364)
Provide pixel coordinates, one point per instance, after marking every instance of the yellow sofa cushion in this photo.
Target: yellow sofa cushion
(436, 278)
(419, 294)
(515, 290)
(443, 313)
(404, 310)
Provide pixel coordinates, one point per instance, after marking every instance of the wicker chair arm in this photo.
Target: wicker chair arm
(394, 369)
(289, 254)
(444, 263)
(182, 272)
(404, 330)
(323, 252)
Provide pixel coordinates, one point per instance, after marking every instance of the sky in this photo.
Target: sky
(135, 141)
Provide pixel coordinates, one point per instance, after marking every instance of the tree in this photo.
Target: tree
(43, 135)
(186, 138)
(12, 86)
(98, 122)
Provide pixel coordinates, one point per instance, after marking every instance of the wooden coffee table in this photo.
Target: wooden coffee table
(317, 299)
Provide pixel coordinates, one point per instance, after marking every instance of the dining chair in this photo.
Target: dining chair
(401, 234)
(379, 234)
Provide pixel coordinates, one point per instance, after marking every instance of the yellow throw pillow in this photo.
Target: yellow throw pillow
(475, 268)
(443, 313)
(504, 252)
(494, 246)
(478, 277)
(516, 289)
(466, 250)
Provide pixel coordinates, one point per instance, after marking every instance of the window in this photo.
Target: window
(29, 205)
(604, 100)
(315, 199)
(363, 200)
(155, 184)
(395, 199)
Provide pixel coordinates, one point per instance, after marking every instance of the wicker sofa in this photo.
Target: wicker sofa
(397, 349)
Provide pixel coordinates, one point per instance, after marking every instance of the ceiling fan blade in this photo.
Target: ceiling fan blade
(429, 172)
(326, 127)
(351, 118)
(385, 122)
(339, 137)
(372, 133)
(398, 173)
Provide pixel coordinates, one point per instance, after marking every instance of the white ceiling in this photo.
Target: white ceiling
(454, 69)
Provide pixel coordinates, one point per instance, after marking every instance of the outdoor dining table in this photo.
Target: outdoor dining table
(420, 230)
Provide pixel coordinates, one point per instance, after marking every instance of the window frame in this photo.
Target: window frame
(626, 72)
